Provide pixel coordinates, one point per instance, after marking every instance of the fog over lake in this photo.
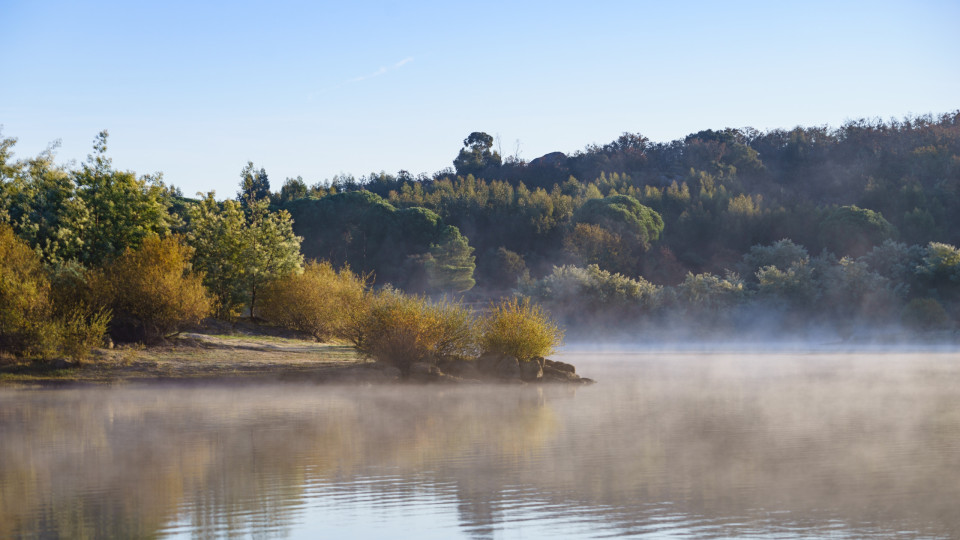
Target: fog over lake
(687, 445)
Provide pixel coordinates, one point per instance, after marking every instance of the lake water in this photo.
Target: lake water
(664, 446)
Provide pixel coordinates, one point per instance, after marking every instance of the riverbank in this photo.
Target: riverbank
(243, 353)
(200, 356)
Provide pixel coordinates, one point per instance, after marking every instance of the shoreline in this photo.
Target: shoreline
(254, 357)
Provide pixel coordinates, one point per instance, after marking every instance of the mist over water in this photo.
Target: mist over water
(683, 444)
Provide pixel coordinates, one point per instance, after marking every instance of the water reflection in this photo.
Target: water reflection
(696, 446)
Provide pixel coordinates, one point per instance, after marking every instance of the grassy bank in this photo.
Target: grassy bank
(199, 356)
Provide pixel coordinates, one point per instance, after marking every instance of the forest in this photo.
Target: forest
(724, 232)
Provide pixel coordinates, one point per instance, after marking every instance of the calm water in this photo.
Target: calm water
(666, 445)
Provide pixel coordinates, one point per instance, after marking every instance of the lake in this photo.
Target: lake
(666, 445)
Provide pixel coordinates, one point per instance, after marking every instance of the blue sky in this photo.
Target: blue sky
(319, 88)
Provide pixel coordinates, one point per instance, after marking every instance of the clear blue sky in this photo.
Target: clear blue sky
(197, 89)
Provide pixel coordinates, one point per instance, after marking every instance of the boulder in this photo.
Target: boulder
(488, 362)
(387, 370)
(560, 366)
(531, 370)
(424, 371)
(457, 367)
(508, 368)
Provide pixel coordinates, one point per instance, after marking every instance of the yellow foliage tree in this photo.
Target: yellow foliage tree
(152, 291)
(319, 301)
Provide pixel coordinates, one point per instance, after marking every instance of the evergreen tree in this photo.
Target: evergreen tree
(451, 263)
(254, 185)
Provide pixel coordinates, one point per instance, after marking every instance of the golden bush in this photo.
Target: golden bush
(152, 291)
(402, 330)
(520, 329)
(320, 301)
(24, 295)
(31, 325)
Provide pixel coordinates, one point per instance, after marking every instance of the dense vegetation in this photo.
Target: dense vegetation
(719, 231)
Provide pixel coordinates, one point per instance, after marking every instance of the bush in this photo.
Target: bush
(711, 292)
(520, 329)
(24, 295)
(582, 296)
(320, 301)
(402, 330)
(151, 291)
(81, 331)
(925, 314)
(30, 326)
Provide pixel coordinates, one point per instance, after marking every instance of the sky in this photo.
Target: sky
(195, 90)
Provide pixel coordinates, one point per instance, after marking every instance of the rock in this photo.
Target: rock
(560, 366)
(488, 362)
(508, 368)
(532, 370)
(465, 369)
(61, 363)
(553, 159)
(552, 374)
(387, 370)
(424, 371)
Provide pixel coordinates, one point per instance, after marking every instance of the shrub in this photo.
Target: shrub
(320, 301)
(152, 291)
(711, 292)
(402, 330)
(24, 295)
(588, 295)
(30, 326)
(925, 314)
(520, 329)
(80, 331)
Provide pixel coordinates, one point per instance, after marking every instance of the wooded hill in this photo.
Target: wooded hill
(858, 221)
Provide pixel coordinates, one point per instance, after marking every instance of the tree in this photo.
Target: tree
(613, 232)
(476, 156)
(239, 252)
(217, 235)
(363, 231)
(853, 231)
(123, 209)
(254, 185)
(451, 263)
(270, 249)
(40, 200)
(293, 189)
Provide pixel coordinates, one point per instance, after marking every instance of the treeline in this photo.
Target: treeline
(656, 230)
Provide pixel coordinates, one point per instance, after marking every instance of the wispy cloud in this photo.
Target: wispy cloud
(383, 70)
